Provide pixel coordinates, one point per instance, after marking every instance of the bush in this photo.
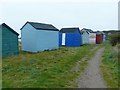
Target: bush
(114, 39)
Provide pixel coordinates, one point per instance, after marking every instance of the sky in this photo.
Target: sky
(93, 14)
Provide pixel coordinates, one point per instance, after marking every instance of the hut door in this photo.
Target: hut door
(98, 39)
(63, 38)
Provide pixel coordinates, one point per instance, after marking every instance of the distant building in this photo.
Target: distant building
(99, 37)
(88, 30)
(8, 41)
(70, 37)
(104, 36)
(108, 32)
(85, 36)
(19, 39)
(92, 38)
(37, 37)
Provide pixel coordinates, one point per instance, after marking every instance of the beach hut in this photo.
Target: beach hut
(70, 37)
(88, 30)
(36, 37)
(99, 37)
(92, 35)
(104, 36)
(85, 36)
(109, 32)
(92, 38)
(8, 41)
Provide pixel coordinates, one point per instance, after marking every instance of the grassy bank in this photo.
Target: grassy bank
(109, 66)
(48, 69)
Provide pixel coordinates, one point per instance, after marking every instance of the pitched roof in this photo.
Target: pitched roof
(88, 30)
(69, 30)
(83, 31)
(5, 25)
(42, 26)
(98, 32)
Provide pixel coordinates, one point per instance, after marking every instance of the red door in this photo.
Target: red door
(98, 39)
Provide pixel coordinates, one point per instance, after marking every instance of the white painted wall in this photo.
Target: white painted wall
(85, 38)
(92, 38)
(63, 38)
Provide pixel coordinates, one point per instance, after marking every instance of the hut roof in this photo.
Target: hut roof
(69, 30)
(42, 26)
(88, 30)
(5, 25)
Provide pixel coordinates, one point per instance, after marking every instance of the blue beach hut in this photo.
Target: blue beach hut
(36, 37)
(85, 36)
(70, 37)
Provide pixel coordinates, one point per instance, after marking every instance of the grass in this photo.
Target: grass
(109, 66)
(48, 69)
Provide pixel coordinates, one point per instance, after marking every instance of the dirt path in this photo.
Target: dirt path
(92, 78)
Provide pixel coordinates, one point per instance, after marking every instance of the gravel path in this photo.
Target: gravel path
(92, 78)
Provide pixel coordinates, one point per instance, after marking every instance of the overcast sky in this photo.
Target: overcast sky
(93, 14)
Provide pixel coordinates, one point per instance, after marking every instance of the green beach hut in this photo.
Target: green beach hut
(8, 41)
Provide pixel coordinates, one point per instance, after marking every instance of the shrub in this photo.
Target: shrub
(114, 39)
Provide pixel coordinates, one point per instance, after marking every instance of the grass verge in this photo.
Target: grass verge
(109, 66)
(48, 69)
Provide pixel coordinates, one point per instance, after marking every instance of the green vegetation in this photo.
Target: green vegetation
(109, 66)
(114, 38)
(48, 69)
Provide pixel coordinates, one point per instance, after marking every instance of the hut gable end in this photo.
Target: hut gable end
(70, 37)
(39, 37)
(9, 41)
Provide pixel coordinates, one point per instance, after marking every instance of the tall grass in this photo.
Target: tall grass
(110, 66)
